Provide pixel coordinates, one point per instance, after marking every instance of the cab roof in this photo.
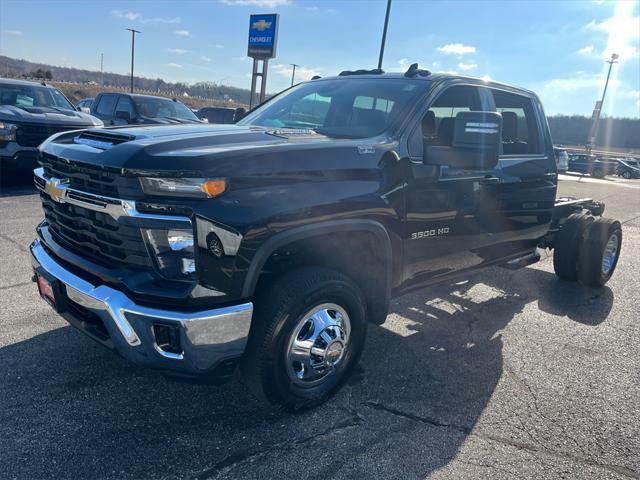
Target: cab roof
(14, 81)
(431, 77)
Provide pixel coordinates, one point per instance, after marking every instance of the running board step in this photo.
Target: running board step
(522, 262)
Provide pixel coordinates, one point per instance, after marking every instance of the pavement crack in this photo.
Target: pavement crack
(240, 457)
(534, 449)
(429, 421)
(21, 247)
(6, 287)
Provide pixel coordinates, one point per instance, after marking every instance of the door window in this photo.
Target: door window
(125, 105)
(106, 105)
(437, 125)
(520, 134)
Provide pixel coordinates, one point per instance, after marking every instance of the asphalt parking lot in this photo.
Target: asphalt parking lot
(509, 374)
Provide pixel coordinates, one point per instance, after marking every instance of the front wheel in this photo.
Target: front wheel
(598, 173)
(308, 333)
(626, 174)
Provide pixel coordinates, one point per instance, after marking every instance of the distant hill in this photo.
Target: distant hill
(619, 133)
(615, 133)
(17, 68)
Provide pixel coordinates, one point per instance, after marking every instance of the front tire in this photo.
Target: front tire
(307, 334)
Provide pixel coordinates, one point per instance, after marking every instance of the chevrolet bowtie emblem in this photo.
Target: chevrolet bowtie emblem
(57, 189)
(261, 25)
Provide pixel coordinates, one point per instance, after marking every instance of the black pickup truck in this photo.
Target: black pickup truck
(269, 244)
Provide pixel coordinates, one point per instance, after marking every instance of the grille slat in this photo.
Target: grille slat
(34, 135)
(95, 235)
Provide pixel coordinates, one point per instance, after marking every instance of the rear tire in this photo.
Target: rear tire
(307, 320)
(626, 174)
(598, 173)
(566, 248)
(600, 252)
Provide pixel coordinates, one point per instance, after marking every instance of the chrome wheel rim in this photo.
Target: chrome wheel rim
(610, 253)
(318, 344)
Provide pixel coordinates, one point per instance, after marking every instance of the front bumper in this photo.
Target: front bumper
(210, 341)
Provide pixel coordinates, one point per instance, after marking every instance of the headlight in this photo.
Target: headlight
(173, 252)
(184, 187)
(8, 131)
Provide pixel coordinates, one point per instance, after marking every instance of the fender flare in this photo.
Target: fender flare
(311, 230)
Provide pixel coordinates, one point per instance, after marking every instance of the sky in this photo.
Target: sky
(555, 48)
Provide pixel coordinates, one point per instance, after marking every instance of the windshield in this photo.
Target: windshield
(163, 108)
(343, 108)
(33, 96)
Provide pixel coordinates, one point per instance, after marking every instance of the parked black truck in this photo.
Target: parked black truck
(30, 112)
(271, 243)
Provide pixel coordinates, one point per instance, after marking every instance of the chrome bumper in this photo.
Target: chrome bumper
(208, 338)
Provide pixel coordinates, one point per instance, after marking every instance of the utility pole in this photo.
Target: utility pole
(133, 49)
(101, 69)
(384, 34)
(293, 74)
(595, 117)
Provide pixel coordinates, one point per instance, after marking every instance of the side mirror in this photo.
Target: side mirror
(240, 112)
(474, 143)
(123, 116)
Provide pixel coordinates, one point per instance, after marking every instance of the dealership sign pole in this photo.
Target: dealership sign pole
(263, 38)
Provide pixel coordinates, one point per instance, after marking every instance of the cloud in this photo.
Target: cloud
(138, 17)
(182, 33)
(216, 45)
(580, 80)
(320, 11)
(302, 73)
(204, 58)
(174, 65)
(179, 51)
(467, 66)
(456, 49)
(256, 3)
(622, 29)
(13, 33)
(588, 50)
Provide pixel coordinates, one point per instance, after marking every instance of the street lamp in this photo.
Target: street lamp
(133, 47)
(293, 74)
(384, 34)
(595, 118)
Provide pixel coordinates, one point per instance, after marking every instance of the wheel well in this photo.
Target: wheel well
(360, 255)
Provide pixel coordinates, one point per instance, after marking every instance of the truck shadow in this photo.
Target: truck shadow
(72, 409)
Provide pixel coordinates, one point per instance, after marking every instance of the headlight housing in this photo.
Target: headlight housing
(172, 251)
(184, 187)
(8, 131)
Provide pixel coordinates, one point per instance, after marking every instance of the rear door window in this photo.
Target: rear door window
(520, 132)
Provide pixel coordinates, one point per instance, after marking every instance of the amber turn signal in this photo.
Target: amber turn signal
(214, 188)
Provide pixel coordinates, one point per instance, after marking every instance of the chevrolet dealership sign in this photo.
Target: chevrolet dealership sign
(263, 36)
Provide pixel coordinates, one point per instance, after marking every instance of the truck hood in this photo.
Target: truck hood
(47, 116)
(226, 150)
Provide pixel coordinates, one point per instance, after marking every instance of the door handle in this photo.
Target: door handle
(489, 180)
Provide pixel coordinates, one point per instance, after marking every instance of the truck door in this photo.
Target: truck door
(443, 226)
(524, 196)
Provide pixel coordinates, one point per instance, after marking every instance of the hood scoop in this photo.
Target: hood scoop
(102, 140)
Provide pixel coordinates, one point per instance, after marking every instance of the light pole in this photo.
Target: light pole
(133, 49)
(595, 118)
(384, 34)
(293, 74)
(102, 69)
